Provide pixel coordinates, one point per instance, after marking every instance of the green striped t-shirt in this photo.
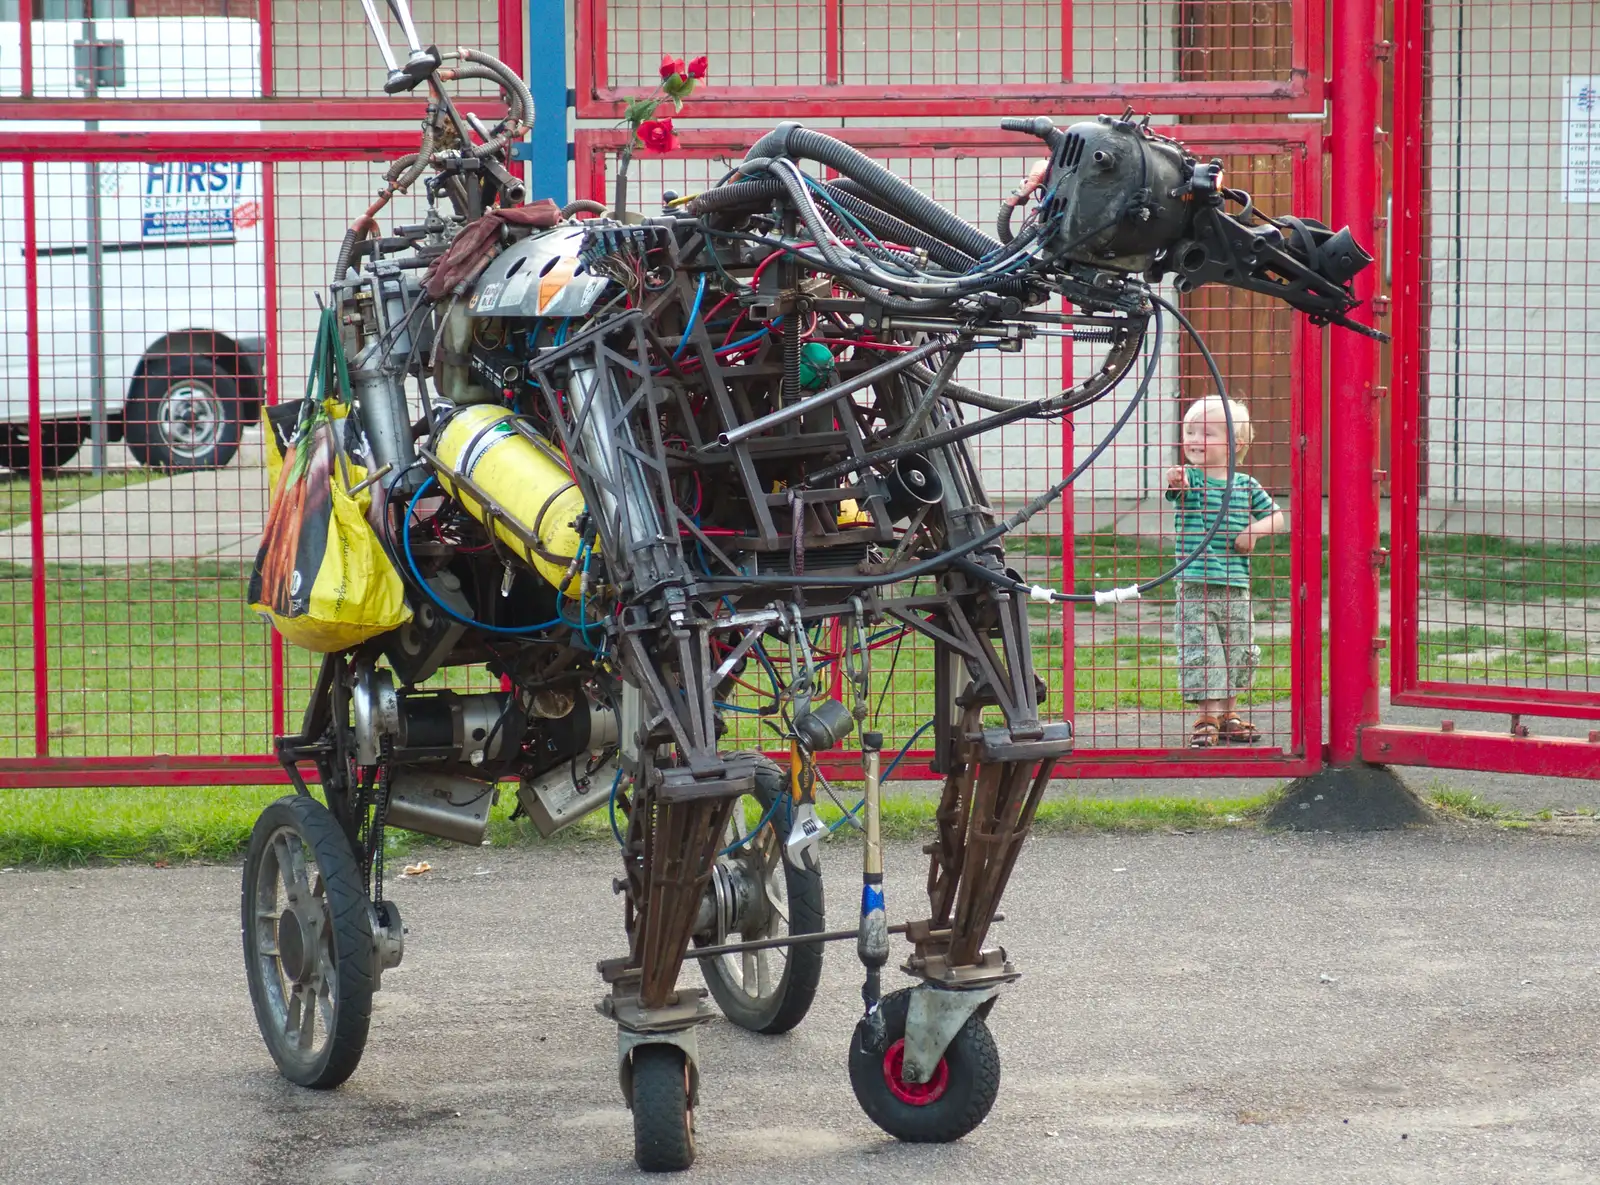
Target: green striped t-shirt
(1197, 510)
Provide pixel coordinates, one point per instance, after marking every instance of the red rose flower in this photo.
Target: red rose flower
(656, 135)
(670, 65)
(697, 68)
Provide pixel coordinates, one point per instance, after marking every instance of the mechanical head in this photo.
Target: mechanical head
(1118, 196)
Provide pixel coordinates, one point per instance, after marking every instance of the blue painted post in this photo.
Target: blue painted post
(547, 149)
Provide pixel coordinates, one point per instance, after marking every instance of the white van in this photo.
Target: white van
(180, 289)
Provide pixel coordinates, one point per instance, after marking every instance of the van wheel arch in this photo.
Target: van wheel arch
(242, 361)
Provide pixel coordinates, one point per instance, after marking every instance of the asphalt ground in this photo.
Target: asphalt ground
(1217, 1007)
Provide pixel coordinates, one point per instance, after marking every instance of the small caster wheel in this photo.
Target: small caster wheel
(941, 1110)
(308, 950)
(663, 1117)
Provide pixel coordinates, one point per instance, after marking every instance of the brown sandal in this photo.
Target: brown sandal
(1204, 733)
(1235, 730)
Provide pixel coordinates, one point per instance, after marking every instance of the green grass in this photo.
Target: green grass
(1490, 568)
(1467, 806)
(62, 489)
(170, 825)
(164, 824)
(1474, 654)
(1464, 804)
(160, 659)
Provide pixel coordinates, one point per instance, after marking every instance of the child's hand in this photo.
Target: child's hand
(1177, 478)
(1244, 542)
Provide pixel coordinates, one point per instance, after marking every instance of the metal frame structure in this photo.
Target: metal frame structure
(598, 97)
(593, 147)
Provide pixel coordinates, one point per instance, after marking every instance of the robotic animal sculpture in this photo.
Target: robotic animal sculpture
(654, 455)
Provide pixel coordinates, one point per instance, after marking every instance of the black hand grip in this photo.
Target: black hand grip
(1036, 126)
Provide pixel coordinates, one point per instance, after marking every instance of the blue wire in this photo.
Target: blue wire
(906, 749)
(582, 624)
(405, 543)
(883, 777)
(743, 341)
(615, 830)
(756, 830)
(561, 331)
(737, 708)
(583, 599)
(761, 657)
(694, 315)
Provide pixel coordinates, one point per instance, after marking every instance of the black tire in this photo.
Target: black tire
(183, 413)
(786, 1006)
(956, 1101)
(663, 1119)
(328, 915)
(59, 442)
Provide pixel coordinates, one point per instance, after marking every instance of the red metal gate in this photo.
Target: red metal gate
(127, 655)
(1494, 520)
(843, 58)
(117, 675)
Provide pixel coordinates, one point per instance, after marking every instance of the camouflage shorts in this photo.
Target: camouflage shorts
(1217, 654)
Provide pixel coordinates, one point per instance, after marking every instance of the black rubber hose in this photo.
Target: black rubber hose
(916, 207)
(581, 206)
(880, 222)
(1002, 223)
(791, 364)
(343, 261)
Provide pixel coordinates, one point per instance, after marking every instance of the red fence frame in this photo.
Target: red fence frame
(267, 149)
(509, 16)
(1406, 685)
(598, 98)
(1305, 756)
(1443, 746)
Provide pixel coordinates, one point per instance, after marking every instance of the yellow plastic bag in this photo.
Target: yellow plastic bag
(321, 575)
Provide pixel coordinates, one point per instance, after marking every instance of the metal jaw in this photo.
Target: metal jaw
(419, 65)
(806, 830)
(935, 1017)
(802, 848)
(801, 685)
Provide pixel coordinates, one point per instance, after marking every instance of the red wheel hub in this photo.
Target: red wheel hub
(914, 1094)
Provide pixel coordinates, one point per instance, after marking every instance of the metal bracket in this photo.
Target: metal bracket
(674, 1025)
(935, 1017)
(388, 939)
(684, 1039)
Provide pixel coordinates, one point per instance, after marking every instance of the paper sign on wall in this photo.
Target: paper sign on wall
(1580, 139)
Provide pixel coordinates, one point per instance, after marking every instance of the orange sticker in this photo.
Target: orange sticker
(554, 280)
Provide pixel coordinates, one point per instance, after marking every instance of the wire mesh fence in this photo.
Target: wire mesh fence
(937, 57)
(167, 301)
(1496, 523)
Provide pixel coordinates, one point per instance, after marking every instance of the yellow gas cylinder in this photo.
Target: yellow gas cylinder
(482, 455)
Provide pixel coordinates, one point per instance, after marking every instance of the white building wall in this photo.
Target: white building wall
(1512, 386)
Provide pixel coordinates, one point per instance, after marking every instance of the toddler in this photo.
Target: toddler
(1217, 655)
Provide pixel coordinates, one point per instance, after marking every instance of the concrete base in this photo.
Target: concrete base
(1349, 798)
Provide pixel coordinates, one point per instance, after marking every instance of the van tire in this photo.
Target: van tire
(59, 441)
(183, 413)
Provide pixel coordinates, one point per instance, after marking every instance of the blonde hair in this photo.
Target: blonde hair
(1243, 430)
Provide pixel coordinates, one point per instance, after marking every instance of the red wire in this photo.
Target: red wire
(896, 347)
